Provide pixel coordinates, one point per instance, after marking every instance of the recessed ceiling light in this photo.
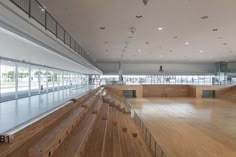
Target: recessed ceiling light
(139, 16)
(160, 28)
(102, 27)
(215, 29)
(186, 43)
(204, 17)
(139, 50)
(201, 51)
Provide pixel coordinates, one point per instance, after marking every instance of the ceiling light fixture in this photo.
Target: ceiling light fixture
(160, 28)
(186, 43)
(204, 17)
(215, 29)
(139, 50)
(201, 51)
(103, 27)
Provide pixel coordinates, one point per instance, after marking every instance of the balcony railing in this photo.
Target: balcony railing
(153, 145)
(36, 11)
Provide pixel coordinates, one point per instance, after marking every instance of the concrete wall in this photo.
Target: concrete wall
(153, 68)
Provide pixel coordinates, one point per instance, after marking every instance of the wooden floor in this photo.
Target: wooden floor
(189, 127)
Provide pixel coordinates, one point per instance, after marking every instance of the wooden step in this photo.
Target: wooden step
(94, 146)
(74, 144)
(50, 142)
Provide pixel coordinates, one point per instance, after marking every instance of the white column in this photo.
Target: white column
(53, 82)
(39, 80)
(16, 81)
(29, 92)
(47, 79)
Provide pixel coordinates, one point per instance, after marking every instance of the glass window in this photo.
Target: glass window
(8, 80)
(35, 75)
(43, 80)
(50, 77)
(23, 80)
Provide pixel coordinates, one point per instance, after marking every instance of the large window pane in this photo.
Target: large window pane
(35, 75)
(8, 80)
(50, 80)
(23, 80)
(43, 80)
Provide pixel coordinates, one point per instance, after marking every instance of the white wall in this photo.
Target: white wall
(151, 68)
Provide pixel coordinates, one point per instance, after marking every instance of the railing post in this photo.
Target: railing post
(64, 36)
(29, 8)
(45, 19)
(56, 30)
(70, 42)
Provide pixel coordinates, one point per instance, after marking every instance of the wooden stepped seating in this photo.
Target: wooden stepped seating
(116, 137)
(74, 144)
(127, 148)
(50, 142)
(137, 138)
(108, 150)
(95, 144)
(31, 134)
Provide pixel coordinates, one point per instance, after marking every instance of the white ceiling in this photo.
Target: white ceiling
(181, 18)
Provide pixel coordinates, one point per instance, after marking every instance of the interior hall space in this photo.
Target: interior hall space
(108, 78)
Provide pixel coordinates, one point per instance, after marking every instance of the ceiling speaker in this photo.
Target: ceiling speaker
(161, 69)
(145, 2)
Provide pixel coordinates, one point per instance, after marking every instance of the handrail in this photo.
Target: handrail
(39, 13)
(151, 142)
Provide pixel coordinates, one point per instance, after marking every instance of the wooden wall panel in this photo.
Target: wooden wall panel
(165, 90)
(220, 90)
(138, 88)
(192, 91)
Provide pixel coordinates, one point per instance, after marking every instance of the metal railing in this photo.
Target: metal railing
(37, 12)
(148, 138)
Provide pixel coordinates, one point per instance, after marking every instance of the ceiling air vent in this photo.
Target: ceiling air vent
(145, 2)
(161, 69)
